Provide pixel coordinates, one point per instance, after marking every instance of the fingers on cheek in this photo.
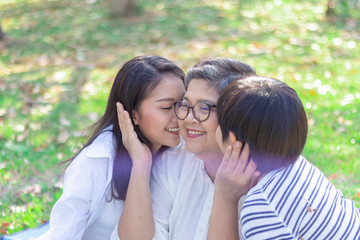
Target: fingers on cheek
(246, 148)
(234, 158)
(226, 157)
(119, 115)
(228, 152)
(252, 173)
(222, 167)
(119, 107)
(257, 174)
(236, 152)
(126, 115)
(252, 165)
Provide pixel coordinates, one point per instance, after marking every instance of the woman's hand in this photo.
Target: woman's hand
(233, 179)
(235, 175)
(136, 221)
(139, 152)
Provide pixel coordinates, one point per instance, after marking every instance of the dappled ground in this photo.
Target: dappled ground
(58, 66)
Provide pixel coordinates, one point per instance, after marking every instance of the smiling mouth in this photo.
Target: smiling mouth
(196, 133)
(173, 130)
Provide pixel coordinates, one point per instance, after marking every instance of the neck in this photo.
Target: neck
(262, 175)
(155, 149)
(212, 162)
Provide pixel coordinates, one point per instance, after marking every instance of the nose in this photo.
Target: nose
(173, 117)
(190, 117)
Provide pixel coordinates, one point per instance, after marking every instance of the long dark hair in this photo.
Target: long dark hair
(132, 84)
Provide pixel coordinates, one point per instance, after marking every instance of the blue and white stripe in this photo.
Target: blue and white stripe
(298, 202)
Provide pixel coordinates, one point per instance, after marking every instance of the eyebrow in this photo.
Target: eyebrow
(200, 101)
(165, 100)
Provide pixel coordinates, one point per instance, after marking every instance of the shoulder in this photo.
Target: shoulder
(280, 187)
(90, 171)
(175, 159)
(95, 158)
(103, 146)
(302, 190)
(296, 173)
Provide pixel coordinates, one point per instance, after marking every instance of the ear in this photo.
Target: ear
(135, 117)
(232, 137)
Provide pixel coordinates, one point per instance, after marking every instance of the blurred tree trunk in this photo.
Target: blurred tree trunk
(330, 8)
(2, 35)
(342, 8)
(122, 8)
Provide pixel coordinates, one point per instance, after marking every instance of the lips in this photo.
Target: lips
(192, 133)
(174, 130)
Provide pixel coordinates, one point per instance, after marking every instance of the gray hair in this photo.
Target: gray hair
(219, 72)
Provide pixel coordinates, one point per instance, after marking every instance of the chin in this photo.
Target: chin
(191, 148)
(173, 145)
(172, 142)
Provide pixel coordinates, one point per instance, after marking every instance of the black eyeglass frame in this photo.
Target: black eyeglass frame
(210, 106)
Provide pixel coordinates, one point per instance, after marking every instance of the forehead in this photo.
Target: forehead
(200, 90)
(170, 86)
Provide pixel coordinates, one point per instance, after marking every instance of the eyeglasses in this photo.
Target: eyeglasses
(201, 111)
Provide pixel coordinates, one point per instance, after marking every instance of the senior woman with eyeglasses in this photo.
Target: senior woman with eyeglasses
(182, 184)
(182, 181)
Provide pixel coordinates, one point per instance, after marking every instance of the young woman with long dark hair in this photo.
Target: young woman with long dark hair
(97, 178)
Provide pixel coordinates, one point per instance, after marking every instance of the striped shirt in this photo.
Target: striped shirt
(298, 202)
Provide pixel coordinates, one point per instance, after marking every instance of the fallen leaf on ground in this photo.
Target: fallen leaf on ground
(3, 231)
(5, 224)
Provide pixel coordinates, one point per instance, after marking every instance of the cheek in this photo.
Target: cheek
(149, 119)
(212, 126)
(182, 128)
(218, 137)
(152, 126)
(181, 124)
(158, 120)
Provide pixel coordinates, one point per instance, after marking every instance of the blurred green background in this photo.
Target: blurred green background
(61, 56)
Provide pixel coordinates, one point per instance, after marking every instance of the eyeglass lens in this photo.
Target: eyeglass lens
(201, 111)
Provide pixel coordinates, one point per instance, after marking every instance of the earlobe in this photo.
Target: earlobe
(135, 117)
(232, 137)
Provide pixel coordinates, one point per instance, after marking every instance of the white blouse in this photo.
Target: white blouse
(182, 196)
(83, 210)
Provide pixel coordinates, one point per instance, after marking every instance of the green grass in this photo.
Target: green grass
(57, 70)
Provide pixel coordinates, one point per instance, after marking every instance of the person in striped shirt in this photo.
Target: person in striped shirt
(292, 198)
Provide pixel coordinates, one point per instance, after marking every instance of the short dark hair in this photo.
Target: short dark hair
(219, 72)
(268, 115)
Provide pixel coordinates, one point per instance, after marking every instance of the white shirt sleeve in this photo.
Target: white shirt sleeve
(69, 216)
